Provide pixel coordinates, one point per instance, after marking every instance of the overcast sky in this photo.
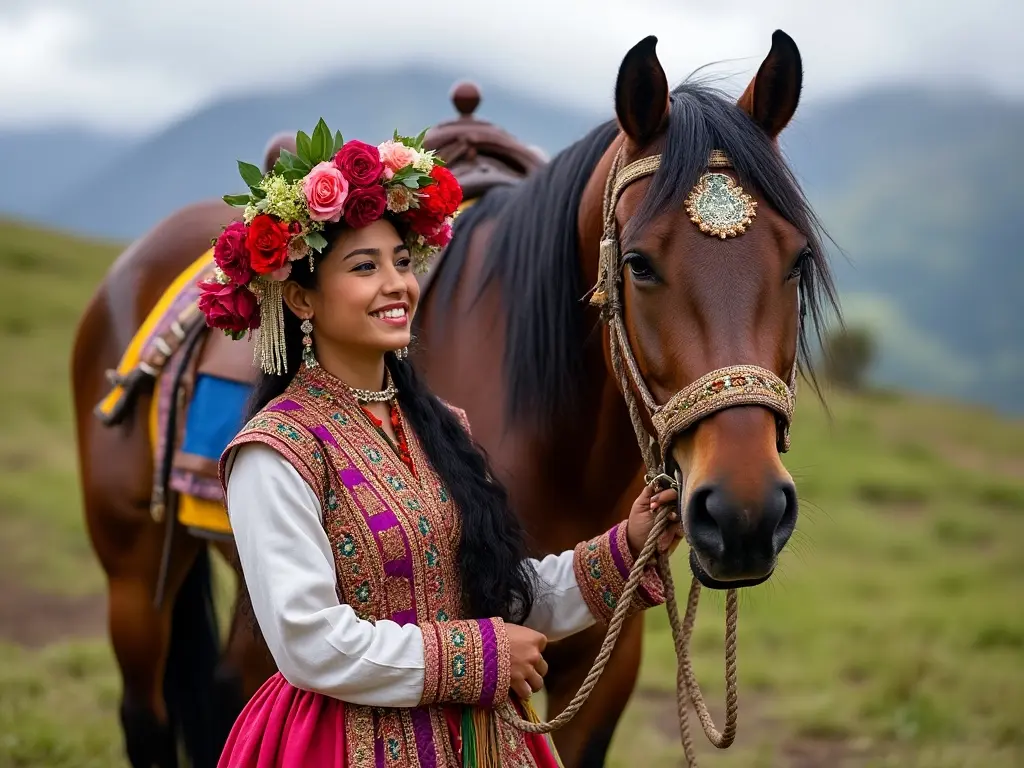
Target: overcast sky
(134, 65)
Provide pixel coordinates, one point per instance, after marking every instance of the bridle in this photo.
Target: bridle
(722, 388)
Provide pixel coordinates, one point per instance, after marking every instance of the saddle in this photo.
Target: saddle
(480, 154)
(201, 379)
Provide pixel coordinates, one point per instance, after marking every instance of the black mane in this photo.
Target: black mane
(533, 252)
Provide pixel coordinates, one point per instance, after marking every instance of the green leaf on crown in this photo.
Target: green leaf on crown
(323, 143)
(316, 241)
(251, 175)
(238, 201)
(288, 165)
(304, 145)
(339, 142)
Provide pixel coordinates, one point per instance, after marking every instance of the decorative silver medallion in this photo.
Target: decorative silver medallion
(720, 207)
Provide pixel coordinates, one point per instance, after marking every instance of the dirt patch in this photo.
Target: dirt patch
(753, 721)
(32, 618)
(757, 727)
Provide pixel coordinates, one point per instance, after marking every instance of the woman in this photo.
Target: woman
(386, 568)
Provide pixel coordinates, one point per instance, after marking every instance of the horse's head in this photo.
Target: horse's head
(695, 300)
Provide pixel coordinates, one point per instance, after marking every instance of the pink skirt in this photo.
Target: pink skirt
(285, 727)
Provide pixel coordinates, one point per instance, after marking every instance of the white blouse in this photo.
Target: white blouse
(318, 643)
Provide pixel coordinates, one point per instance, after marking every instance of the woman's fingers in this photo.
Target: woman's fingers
(535, 681)
(522, 689)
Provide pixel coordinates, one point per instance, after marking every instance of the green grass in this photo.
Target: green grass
(891, 636)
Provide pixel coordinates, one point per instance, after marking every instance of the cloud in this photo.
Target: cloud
(124, 65)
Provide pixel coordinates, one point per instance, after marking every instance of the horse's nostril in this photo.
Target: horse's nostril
(705, 533)
(785, 506)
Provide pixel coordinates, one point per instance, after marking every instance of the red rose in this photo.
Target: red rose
(230, 307)
(267, 243)
(424, 221)
(359, 163)
(365, 205)
(231, 254)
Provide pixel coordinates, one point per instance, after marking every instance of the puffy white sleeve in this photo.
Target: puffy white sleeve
(559, 609)
(318, 643)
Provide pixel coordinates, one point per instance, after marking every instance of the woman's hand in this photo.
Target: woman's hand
(528, 666)
(641, 520)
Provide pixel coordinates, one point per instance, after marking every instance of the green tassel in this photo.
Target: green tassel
(468, 739)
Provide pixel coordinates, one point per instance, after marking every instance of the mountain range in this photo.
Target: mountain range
(921, 191)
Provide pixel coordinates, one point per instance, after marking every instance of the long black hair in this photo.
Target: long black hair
(496, 579)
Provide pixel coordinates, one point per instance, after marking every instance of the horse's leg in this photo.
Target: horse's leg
(584, 742)
(140, 632)
(246, 663)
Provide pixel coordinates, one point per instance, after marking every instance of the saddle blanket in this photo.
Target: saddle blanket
(209, 417)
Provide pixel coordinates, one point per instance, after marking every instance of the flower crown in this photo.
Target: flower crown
(329, 181)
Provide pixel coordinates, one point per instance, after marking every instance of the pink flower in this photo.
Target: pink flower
(281, 274)
(231, 254)
(326, 190)
(441, 237)
(395, 156)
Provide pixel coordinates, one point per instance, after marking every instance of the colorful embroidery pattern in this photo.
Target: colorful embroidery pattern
(395, 536)
(602, 566)
(467, 662)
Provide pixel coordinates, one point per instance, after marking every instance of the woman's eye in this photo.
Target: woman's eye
(404, 262)
(366, 266)
(640, 267)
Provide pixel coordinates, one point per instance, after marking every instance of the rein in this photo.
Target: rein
(715, 391)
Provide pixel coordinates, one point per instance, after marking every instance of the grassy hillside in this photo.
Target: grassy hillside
(892, 635)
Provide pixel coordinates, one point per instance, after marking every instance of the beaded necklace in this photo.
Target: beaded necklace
(402, 449)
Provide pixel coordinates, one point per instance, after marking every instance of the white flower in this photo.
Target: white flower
(400, 198)
(424, 162)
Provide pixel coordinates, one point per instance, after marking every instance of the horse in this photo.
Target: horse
(505, 332)
(177, 683)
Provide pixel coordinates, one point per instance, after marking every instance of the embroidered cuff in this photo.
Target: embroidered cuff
(602, 566)
(467, 662)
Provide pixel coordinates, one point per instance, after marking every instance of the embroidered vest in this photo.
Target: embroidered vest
(395, 541)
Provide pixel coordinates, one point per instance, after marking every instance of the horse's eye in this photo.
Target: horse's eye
(798, 267)
(640, 267)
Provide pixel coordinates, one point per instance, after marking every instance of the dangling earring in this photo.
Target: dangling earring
(402, 353)
(307, 344)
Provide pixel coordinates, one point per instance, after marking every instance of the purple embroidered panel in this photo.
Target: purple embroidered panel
(617, 557)
(424, 733)
(490, 654)
(324, 435)
(285, 405)
(382, 522)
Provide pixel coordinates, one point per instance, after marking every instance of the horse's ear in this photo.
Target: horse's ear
(773, 94)
(641, 92)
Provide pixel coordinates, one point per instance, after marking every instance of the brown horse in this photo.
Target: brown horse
(174, 685)
(505, 332)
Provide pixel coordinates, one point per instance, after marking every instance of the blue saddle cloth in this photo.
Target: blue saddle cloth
(215, 416)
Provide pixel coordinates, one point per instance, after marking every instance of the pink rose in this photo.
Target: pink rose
(230, 307)
(326, 190)
(231, 254)
(280, 275)
(365, 205)
(359, 163)
(395, 156)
